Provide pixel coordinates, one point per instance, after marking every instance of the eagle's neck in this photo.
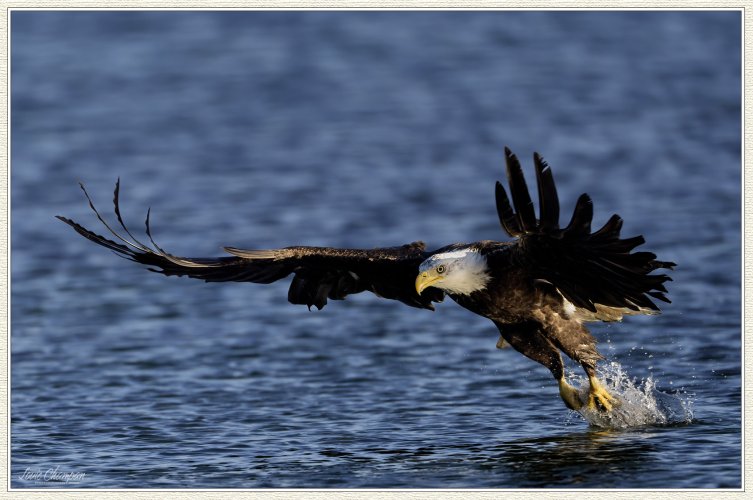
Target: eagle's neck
(469, 272)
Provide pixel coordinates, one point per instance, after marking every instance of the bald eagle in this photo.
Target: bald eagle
(538, 290)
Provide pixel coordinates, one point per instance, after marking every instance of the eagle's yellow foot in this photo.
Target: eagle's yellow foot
(599, 398)
(569, 395)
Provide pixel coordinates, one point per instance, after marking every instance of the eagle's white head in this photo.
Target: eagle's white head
(459, 272)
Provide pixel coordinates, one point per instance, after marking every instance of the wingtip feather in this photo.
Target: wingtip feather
(549, 204)
(506, 215)
(521, 199)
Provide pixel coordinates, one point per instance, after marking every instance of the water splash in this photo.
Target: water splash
(641, 404)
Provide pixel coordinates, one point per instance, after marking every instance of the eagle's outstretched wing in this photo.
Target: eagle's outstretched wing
(595, 271)
(320, 273)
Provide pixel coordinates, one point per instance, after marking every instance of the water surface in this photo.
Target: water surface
(361, 129)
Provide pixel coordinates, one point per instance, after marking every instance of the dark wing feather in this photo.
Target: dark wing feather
(507, 216)
(520, 197)
(319, 273)
(583, 214)
(587, 268)
(322, 273)
(549, 203)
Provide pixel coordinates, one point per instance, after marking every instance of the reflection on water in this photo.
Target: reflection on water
(572, 460)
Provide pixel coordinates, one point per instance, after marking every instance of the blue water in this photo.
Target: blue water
(263, 129)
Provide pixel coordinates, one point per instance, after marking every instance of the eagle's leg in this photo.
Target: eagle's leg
(529, 341)
(598, 397)
(577, 343)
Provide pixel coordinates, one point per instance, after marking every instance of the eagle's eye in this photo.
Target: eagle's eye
(440, 269)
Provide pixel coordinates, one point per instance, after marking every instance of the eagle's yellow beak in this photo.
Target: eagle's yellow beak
(426, 279)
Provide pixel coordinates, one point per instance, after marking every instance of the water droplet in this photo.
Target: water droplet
(640, 404)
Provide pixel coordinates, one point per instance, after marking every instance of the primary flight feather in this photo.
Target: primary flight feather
(539, 289)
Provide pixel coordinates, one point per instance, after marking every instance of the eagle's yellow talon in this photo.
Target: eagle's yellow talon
(599, 398)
